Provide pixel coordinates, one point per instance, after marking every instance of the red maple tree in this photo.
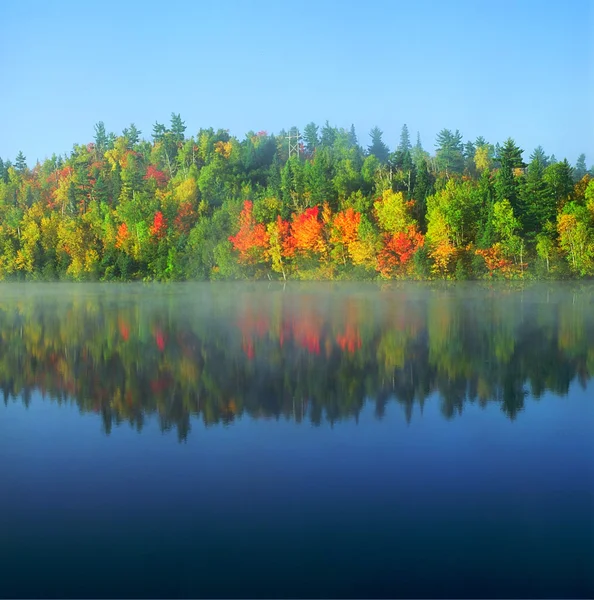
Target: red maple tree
(159, 227)
(397, 250)
(252, 239)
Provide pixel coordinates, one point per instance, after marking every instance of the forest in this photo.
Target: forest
(315, 205)
(302, 355)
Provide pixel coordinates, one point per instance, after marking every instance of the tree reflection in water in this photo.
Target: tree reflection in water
(307, 352)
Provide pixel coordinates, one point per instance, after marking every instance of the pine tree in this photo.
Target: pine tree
(132, 135)
(20, 163)
(159, 131)
(559, 178)
(404, 144)
(540, 156)
(310, 137)
(537, 204)
(328, 135)
(449, 155)
(178, 127)
(377, 147)
(510, 158)
(353, 141)
(100, 137)
(580, 168)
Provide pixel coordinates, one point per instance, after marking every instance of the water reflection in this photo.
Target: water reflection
(309, 353)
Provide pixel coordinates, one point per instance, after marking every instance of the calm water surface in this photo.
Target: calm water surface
(313, 441)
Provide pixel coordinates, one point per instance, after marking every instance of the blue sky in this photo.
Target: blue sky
(523, 69)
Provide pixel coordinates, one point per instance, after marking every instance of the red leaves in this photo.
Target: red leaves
(252, 239)
(122, 236)
(159, 227)
(306, 233)
(397, 250)
(185, 218)
(154, 173)
(494, 259)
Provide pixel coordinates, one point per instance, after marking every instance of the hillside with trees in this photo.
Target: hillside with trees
(212, 206)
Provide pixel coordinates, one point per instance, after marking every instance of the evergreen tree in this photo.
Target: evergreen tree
(159, 131)
(559, 178)
(20, 163)
(580, 168)
(100, 137)
(404, 144)
(469, 152)
(510, 159)
(423, 188)
(310, 137)
(377, 147)
(328, 135)
(537, 202)
(178, 127)
(540, 156)
(449, 155)
(274, 177)
(353, 141)
(132, 135)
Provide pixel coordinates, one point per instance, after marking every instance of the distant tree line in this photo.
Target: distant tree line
(211, 206)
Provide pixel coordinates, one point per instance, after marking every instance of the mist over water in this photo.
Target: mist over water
(337, 440)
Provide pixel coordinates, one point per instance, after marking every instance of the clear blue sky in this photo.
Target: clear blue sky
(523, 69)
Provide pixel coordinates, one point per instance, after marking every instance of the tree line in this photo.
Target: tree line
(212, 206)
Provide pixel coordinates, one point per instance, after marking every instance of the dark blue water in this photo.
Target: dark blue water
(395, 443)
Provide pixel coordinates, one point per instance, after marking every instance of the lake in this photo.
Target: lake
(307, 440)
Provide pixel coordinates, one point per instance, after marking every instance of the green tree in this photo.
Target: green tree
(377, 147)
(328, 135)
(310, 137)
(100, 137)
(20, 163)
(404, 145)
(449, 155)
(580, 168)
(507, 184)
(559, 179)
(132, 134)
(178, 127)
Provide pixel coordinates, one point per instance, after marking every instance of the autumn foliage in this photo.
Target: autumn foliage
(252, 238)
(159, 227)
(397, 251)
(127, 208)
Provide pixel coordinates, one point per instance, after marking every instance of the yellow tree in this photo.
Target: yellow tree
(576, 239)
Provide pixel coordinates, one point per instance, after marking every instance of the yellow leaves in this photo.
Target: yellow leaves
(481, 158)
(363, 253)
(116, 155)
(223, 148)
(392, 212)
(26, 254)
(49, 232)
(326, 213)
(61, 192)
(186, 191)
(77, 242)
(576, 239)
(278, 232)
(442, 255)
